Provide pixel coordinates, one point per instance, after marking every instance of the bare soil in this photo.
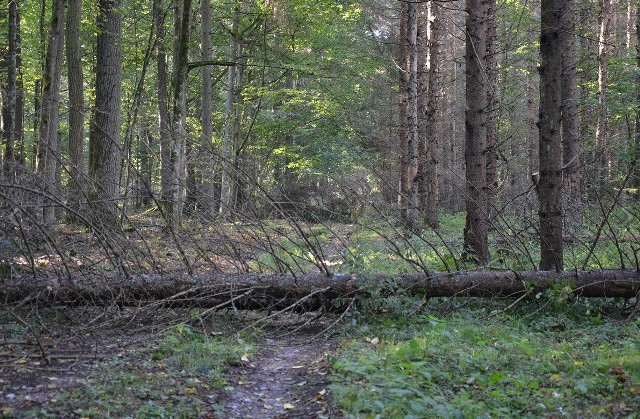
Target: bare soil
(288, 380)
(61, 370)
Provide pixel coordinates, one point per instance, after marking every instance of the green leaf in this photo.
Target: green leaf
(495, 378)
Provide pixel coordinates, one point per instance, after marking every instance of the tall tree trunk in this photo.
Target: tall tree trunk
(532, 139)
(177, 151)
(475, 233)
(637, 124)
(104, 135)
(47, 161)
(145, 140)
(550, 187)
(403, 192)
(412, 115)
(570, 123)
(207, 190)
(632, 10)
(76, 103)
(228, 140)
(431, 157)
(602, 152)
(491, 65)
(166, 199)
(13, 99)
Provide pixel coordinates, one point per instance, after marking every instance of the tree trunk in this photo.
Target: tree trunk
(166, 198)
(76, 103)
(145, 195)
(475, 233)
(403, 83)
(432, 157)
(206, 196)
(570, 128)
(550, 146)
(228, 141)
(491, 65)
(602, 158)
(312, 291)
(412, 115)
(177, 151)
(104, 135)
(47, 160)
(13, 98)
(637, 124)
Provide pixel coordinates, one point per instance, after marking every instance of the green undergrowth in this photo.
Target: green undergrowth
(182, 376)
(477, 361)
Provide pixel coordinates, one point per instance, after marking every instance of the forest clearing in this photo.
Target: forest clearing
(293, 209)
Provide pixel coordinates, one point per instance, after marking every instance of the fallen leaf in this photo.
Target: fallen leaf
(244, 358)
(288, 406)
(190, 391)
(320, 395)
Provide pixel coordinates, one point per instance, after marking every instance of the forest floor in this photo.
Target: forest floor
(117, 372)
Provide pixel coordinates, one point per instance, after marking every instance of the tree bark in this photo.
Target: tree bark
(104, 135)
(47, 159)
(432, 152)
(207, 194)
(280, 290)
(177, 152)
(403, 82)
(76, 103)
(228, 141)
(13, 98)
(570, 123)
(637, 122)
(602, 151)
(166, 198)
(412, 115)
(491, 66)
(550, 146)
(476, 243)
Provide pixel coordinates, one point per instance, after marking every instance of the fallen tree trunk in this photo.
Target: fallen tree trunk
(306, 292)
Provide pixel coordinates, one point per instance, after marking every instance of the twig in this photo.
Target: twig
(35, 335)
(284, 310)
(353, 300)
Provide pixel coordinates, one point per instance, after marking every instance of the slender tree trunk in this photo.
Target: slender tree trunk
(431, 158)
(13, 104)
(550, 186)
(47, 156)
(570, 122)
(632, 10)
(475, 233)
(602, 151)
(76, 103)
(228, 141)
(491, 65)
(412, 115)
(145, 141)
(104, 135)
(177, 154)
(532, 140)
(403, 192)
(166, 199)
(206, 196)
(637, 124)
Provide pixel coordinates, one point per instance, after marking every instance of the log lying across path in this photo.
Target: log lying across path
(306, 292)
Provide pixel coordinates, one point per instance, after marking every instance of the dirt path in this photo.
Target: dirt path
(288, 379)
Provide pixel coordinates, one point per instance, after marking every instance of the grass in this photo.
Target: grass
(472, 363)
(181, 377)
